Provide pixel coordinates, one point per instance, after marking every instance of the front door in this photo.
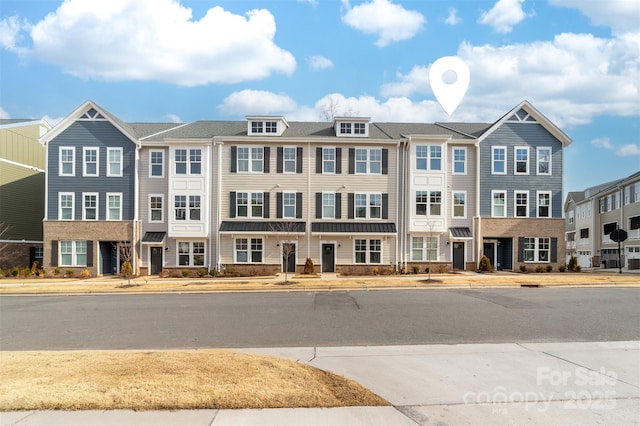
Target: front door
(109, 258)
(458, 256)
(328, 258)
(289, 257)
(156, 260)
(488, 249)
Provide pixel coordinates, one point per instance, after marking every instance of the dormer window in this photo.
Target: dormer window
(351, 127)
(270, 126)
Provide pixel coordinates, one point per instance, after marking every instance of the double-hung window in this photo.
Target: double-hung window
(521, 160)
(180, 204)
(544, 204)
(368, 161)
(498, 203)
(195, 161)
(367, 206)
(155, 208)
(90, 163)
(429, 157)
(194, 207)
(114, 162)
(424, 248)
(544, 161)
(188, 160)
(329, 159)
(114, 206)
(256, 204)
(289, 205)
(499, 160)
(67, 156)
(191, 253)
(422, 199)
(249, 204)
(248, 250)
(73, 253)
(459, 204)
(328, 205)
(181, 161)
(367, 251)
(289, 155)
(537, 249)
(90, 206)
(66, 204)
(360, 205)
(250, 159)
(242, 204)
(459, 161)
(435, 157)
(156, 164)
(435, 203)
(522, 203)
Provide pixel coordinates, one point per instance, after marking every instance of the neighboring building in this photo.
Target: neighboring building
(598, 211)
(265, 194)
(22, 165)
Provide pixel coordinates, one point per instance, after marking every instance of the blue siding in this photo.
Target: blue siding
(521, 134)
(101, 134)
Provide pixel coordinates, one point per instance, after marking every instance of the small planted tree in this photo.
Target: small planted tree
(287, 229)
(485, 264)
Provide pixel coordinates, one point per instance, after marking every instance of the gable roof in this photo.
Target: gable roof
(537, 115)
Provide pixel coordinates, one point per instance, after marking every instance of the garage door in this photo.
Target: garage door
(584, 259)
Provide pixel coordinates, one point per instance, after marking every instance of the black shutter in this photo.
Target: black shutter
(338, 203)
(232, 204)
(318, 160)
(338, 161)
(299, 159)
(554, 249)
(352, 161)
(350, 205)
(89, 253)
(520, 249)
(234, 159)
(265, 159)
(318, 205)
(265, 205)
(279, 205)
(279, 159)
(299, 205)
(385, 206)
(385, 161)
(54, 253)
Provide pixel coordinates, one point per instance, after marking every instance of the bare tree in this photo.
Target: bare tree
(331, 108)
(125, 250)
(4, 229)
(431, 226)
(286, 229)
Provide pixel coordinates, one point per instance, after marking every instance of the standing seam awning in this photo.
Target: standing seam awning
(154, 237)
(460, 233)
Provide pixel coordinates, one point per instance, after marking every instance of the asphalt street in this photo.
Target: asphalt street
(335, 318)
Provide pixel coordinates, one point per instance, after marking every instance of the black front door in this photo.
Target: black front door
(458, 255)
(156, 260)
(288, 257)
(488, 250)
(328, 258)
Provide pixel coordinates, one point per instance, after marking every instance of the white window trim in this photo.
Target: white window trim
(151, 152)
(453, 204)
(454, 161)
(295, 159)
(250, 150)
(538, 193)
(161, 210)
(73, 205)
(109, 150)
(191, 253)
(425, 248)
(74, 253)
(295, 207)
(538, 149)
(84, 161)
(515, 160)
(506, 165)
(84, 207)
(536, 251)
(200, 208)
(334, 205)
(107, 208)
(515, 204)
(368, 162)
(368, 251)
(368, 196)
(73, 160)
(249, 209)
(493, 192)
(249, 258)
(335, 160)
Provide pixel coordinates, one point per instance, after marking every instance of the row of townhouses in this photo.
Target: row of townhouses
(267, 193)
(591, 215)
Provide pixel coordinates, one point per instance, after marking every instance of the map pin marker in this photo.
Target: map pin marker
(449, 95)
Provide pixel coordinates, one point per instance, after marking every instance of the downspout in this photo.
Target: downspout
(136, 205)
(218, 204)
(308, 227)
(398, 201)
(477, 203)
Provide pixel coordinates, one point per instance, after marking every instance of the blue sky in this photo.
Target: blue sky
(577, 61)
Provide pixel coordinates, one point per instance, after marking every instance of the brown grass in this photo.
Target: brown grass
(168, 380)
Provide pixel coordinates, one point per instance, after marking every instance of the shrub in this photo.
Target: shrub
(185, 272)
(56, 271)
(416, 269)
(214, 272)
(1, 273)
(69, 273)
(35, 266)
(426, 270)
(14, 271)
(391, 270)
(376, 270)
(523, 268)
(25, 272)
(549, 268)
(403, 270)
(539, 269)
(309, 269)
(85, 273)
(126, 270)
(562, 268)
(485, 264)
(40, 272)
(202, 272)
(573, 264)
(577, 268)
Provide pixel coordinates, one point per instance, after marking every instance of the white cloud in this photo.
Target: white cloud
(504, 15)
(628, 150)
(320, 63)
(311, 2)
(10, 32)
(416, 81)
(155, 40)
(620, 15)
(453, 18)
(248, 102)
(53, 121)
(173, 118)
(389, 21)
(4, 114)
(602, 143)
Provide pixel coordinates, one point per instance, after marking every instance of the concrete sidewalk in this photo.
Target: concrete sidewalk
(529, 383)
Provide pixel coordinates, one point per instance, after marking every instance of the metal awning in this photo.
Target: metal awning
(370, 228)
(270, 227)
(460, 233)
(154, 237)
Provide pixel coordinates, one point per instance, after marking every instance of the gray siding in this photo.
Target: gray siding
(100, 134)
(521, 134)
